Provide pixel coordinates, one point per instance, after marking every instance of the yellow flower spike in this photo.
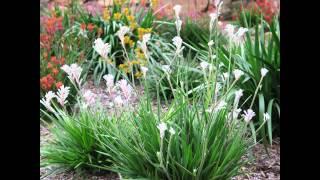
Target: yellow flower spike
(135, 62)
(121, 66)
(130, 18)
(106, 14)
(126, 11)
(117, 2)
(126, 39)
(137, 50)
(131, 43)
(138, 74)
(154, 3)
(117, 16)
(133, 26)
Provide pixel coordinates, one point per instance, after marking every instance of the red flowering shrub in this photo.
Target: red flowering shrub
(267, 8)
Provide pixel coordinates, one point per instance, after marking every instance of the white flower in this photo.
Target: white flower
(118, 101)
(177, 9)
(177, 41)
(216, 2)
(121, 32)
(73, 71)
(204, 65)
(158, 155)
(225, 75)
(236, 113)
(143, 44)
(46, 101)
(166, 68)
(266, 116)
(172, 131)
(144, 70)
(237, 73)
(229, 29)
(109, 78)
(194, 171)
(238, 36)
(83, 33)
(89, 97)
(218, 87)
(248, 115)
(264, 71)
(178, 23)
(162, 128)
(221, 105)
(125, 88)
(241, 32)
(210, 43)
(102, 48)
(219, 8)
(213, 17)
(146, 38)
(238, 95)
(62, 95)
(49, 96)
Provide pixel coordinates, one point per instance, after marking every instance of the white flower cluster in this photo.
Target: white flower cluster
(214, 15)
(143, 44)
(236, 37)
(61, 96)
(118, 94)
(121, 93)
(162, 129)
(121, 32)
(178, 22)
(74, 73)
(103, 49)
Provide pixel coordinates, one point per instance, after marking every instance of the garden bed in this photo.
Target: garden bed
(176, 100)
(260, 168)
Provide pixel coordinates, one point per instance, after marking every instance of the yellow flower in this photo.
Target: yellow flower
(143, 31)
(126, 11)
(135, 62)
(117, 2)
(131, 43)
(138, 74)
(126, 39)
(133, 26)
(106, 14)
(117, 16)
(130, 18)
(154, 3)
(125, 67)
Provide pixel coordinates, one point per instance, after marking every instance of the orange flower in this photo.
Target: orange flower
(49, 66)
(55, 71)
(46, 82)
(59, 84)
(90, 27)
(83, 26)
(62, 61)
(54, 60)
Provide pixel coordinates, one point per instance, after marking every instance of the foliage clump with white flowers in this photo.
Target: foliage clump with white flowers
(203, 134)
